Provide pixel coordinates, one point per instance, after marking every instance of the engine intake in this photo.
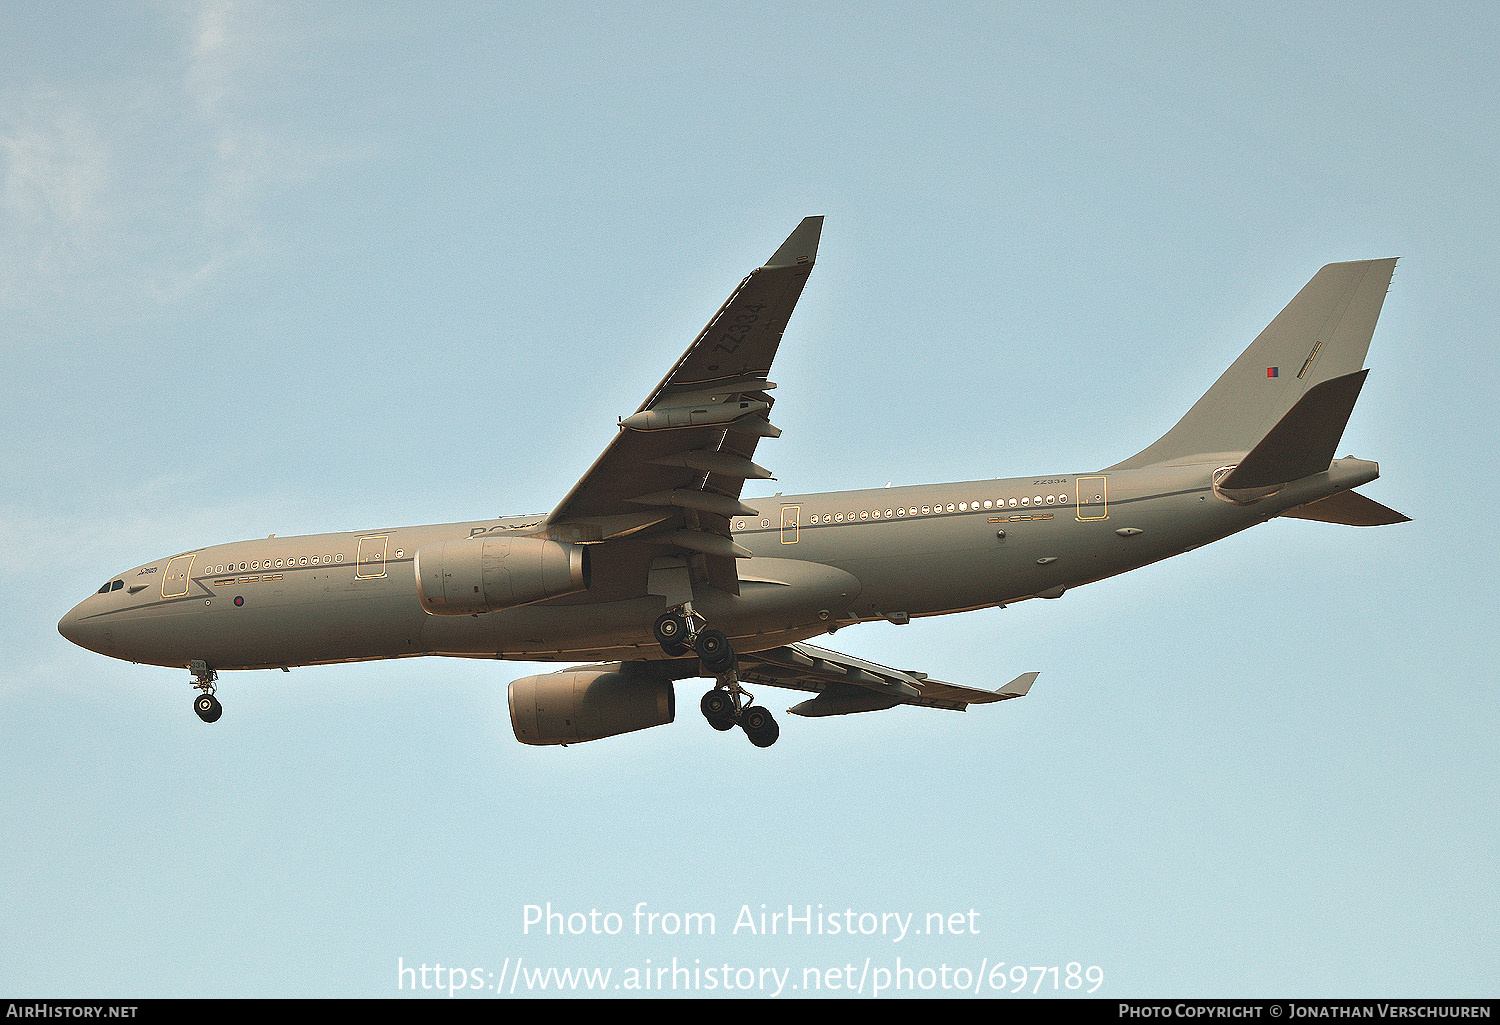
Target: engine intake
(468, 576)
(588, 704)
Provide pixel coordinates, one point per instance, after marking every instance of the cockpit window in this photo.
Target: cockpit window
(103, 590)
(113, 585)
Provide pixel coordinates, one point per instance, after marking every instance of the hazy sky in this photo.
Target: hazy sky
(282, 268)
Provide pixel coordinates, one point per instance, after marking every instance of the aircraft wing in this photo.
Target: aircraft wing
(672, 476)
(847, 684)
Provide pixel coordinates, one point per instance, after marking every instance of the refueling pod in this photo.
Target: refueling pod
(481, 574)
(591, 703)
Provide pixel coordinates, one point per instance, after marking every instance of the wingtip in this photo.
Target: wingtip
(801, 246)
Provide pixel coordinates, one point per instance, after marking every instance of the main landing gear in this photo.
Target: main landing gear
(723, 709)
(728, 705)
(206, 705)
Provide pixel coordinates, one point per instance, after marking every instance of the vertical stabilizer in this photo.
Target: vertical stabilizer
(1322, 334)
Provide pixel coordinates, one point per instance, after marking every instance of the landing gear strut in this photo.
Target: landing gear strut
(206, 705)
(728, 705)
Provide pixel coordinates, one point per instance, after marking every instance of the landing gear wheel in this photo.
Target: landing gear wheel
(713, 648)
(759, 726)
(718, 708)
(671, 631)
(208, 708)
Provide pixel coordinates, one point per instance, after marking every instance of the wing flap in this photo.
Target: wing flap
(845, 684)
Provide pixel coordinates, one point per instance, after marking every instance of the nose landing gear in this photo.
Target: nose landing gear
(206, 705)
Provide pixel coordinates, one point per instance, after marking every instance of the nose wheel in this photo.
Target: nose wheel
(208, 708)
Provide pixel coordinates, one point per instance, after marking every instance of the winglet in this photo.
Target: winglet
(801, 246)
(1018, 687)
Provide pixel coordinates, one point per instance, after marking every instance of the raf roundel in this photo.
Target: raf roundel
(239, 600)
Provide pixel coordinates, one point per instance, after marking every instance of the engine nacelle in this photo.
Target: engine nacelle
(588, 704)
(481, 574)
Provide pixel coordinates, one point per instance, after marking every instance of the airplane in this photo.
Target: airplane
(655, 569)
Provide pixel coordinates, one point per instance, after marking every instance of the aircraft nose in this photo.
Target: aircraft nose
(68, 625)
(81, 631)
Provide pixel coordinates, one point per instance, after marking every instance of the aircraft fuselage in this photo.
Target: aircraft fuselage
(821, 561)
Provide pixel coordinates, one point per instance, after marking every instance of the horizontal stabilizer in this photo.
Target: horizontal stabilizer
(1349, 507)
(1303, 441)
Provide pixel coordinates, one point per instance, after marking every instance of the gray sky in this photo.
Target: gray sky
(268, 269)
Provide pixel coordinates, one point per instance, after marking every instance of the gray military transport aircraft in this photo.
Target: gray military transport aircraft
(656, 569)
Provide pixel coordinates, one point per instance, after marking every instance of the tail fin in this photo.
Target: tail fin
(1322, 334)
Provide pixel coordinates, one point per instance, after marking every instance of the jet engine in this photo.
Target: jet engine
(588, 704)
(481, 574)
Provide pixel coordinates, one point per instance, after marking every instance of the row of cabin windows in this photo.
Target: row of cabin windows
(315, 560)
(306, 560)
(927, 510)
